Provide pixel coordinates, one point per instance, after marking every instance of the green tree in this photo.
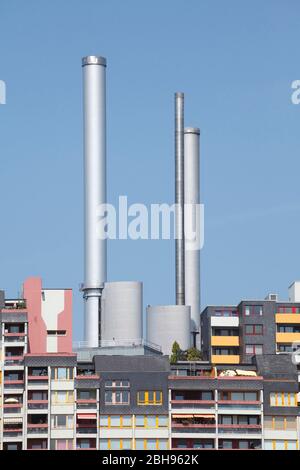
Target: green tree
(176, 353)
(193, 354)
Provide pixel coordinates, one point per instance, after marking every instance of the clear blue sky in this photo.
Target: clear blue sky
(234, 60)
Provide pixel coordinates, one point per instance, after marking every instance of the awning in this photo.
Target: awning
(204, 416)
(12, 420)
(87, 416)
(194, 416)
(182, 416)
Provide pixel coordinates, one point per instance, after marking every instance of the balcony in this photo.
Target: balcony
(37, 444)
(12, 408)
(193, 428)
(86, 444)
(225, 359)
(82, 429)
(193, 403)
(225, 341)
(86, 404)
(287, 337)
(13, 384)
(12, 433)
(14, 338)
(289, 318)
(37, 404)
(241, 404)
(240, 428)
(13, 361)
(40, 428)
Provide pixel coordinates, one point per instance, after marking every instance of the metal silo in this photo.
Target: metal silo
(122, 312)
(169, 323)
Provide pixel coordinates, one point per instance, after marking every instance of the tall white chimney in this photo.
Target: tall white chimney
(191, 226)
(179, 197)
(94, 110)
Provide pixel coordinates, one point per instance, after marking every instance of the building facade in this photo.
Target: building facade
(234, 334)
(53, 398)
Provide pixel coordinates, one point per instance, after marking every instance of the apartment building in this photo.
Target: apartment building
(215, 408)
(33, 329)
(53, 398)
(234, 334)
(280, 404)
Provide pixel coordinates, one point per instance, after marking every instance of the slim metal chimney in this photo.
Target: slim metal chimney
(179, 198)
(191, 225)
(94, 109)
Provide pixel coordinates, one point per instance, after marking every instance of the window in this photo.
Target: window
(288, 328)
(117, 398)
(117, 383)
(115, 421)
(86, 395)
(38, 396)
(225, 332)
(280, 445)
(151, 444)
(60, 397)
(151, 421)
(225, 313)
(253, 310)
(225, 351)
(283, 399)
(62, 421)
(115, 444)
(254, 349)
(288, 309)
(104, 420)
(152, 397)
(239, 396)
(239, 420)
(61, 444)
(56, 332)
(239, 444)
(254, 330)
(62, 373)
(285, 348)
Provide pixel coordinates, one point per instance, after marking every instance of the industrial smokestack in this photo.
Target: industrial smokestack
(191, 226)
(179, 198)
(94, 109)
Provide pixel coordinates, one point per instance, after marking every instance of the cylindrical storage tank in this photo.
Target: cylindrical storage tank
(122, 311)
(169, 323)
(192, 225)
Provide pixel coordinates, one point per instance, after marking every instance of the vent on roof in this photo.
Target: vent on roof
(273, 297)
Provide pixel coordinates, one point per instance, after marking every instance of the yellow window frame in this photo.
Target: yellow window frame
(146, 401)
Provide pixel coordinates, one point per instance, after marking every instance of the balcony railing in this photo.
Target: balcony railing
(229, 404)
(193, 428)
(240, 428)
(13, 409)
(13, 360)
(208, 404)
(14, 337)
(13, 384)
(41, 428)
(86, 430)
(119, 343)
(37, 404)
(12, 433)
